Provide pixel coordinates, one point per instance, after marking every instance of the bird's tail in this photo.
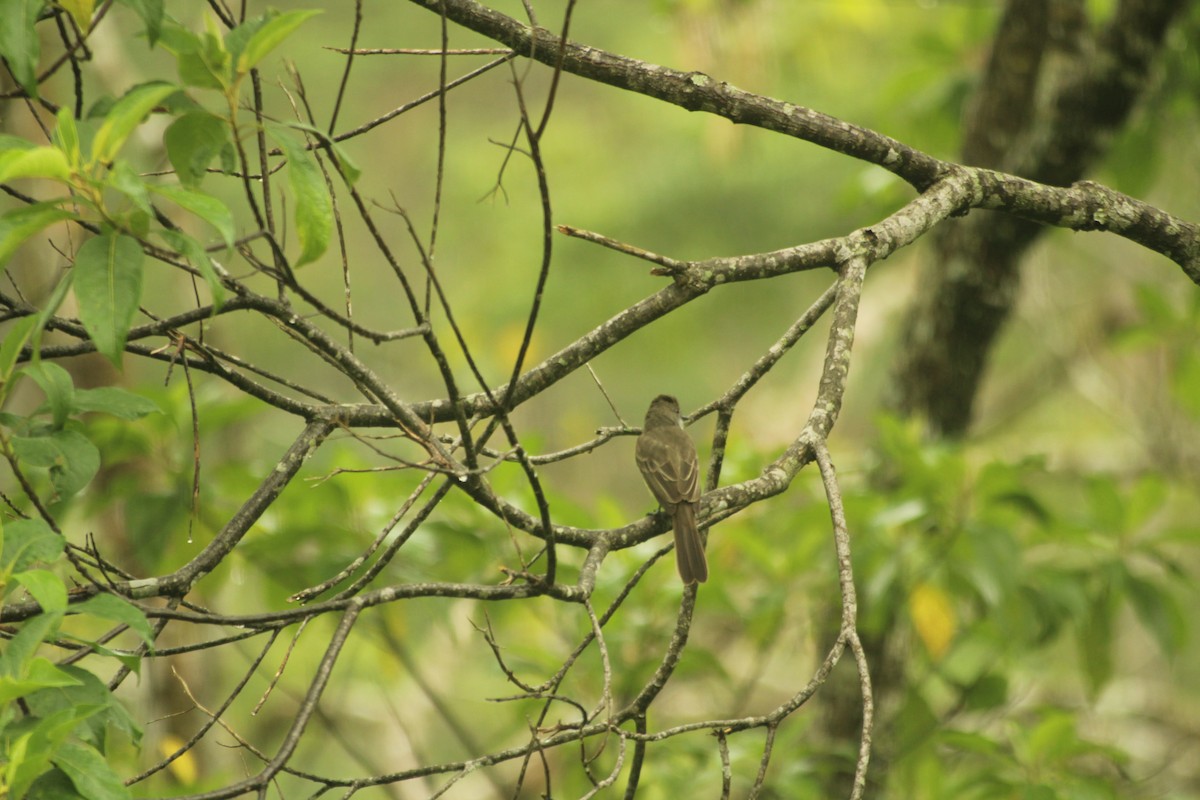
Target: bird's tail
(689, 549)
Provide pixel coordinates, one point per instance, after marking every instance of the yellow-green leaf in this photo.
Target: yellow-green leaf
(933, 617)
(80, 11)
(269, 36)
(125, 115)
(35, 162)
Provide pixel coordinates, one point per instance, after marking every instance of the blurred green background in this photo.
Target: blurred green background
(1033, 585)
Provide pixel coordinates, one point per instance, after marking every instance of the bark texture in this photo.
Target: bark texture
(1055, 91)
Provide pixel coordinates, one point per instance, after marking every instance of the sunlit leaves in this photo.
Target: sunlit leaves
(20, 649)
(20, 159)
(45, 587)
(212, 61)
(125, 115)
(23, 675)
(80, 11)
(66, 136)
(269, 35)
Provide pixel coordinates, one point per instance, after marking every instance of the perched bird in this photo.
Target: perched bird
(667, 460)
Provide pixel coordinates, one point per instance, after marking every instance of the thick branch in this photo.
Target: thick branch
(693, 91)
(973, 281)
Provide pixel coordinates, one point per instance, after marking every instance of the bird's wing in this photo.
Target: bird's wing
(667, 459)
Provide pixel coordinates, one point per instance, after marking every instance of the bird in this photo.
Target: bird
(667, 460)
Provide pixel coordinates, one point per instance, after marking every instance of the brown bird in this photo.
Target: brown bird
(667, 460)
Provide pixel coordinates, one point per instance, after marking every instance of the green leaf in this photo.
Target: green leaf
(29, 541)
(201, 60)
(915, 721)
(45, 738)
(113, 400)
(1157, 610)
(19, 43)
(1096, 640)
(1106, 504)
(10, 348)
(269, 36)
(349, 170)
(18, 225)
(34, 162)
(94, 779)
(53, 785)
(1185, 383)
(35, 451)
(108, 285)
(39, 675)
(1053, 738)
(66, 135)
(194, 252)
(126, 115)
(88, 691)
(10, 142)
(970, 742)
(45, 587)
(80, 11)
(205, 206)
(990, 691)
(193, 141)
(71, 459)
(125, 180)
(51, 305)
(234, 42)
(109, 606)
(18, 660)
(58, 387)
(229, 159)
(130, 661)
(151, 12)
(1146, 499)
(312, 208)
(27, 763)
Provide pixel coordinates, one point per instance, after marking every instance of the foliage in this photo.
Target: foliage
(55, 718)
(994, 569)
